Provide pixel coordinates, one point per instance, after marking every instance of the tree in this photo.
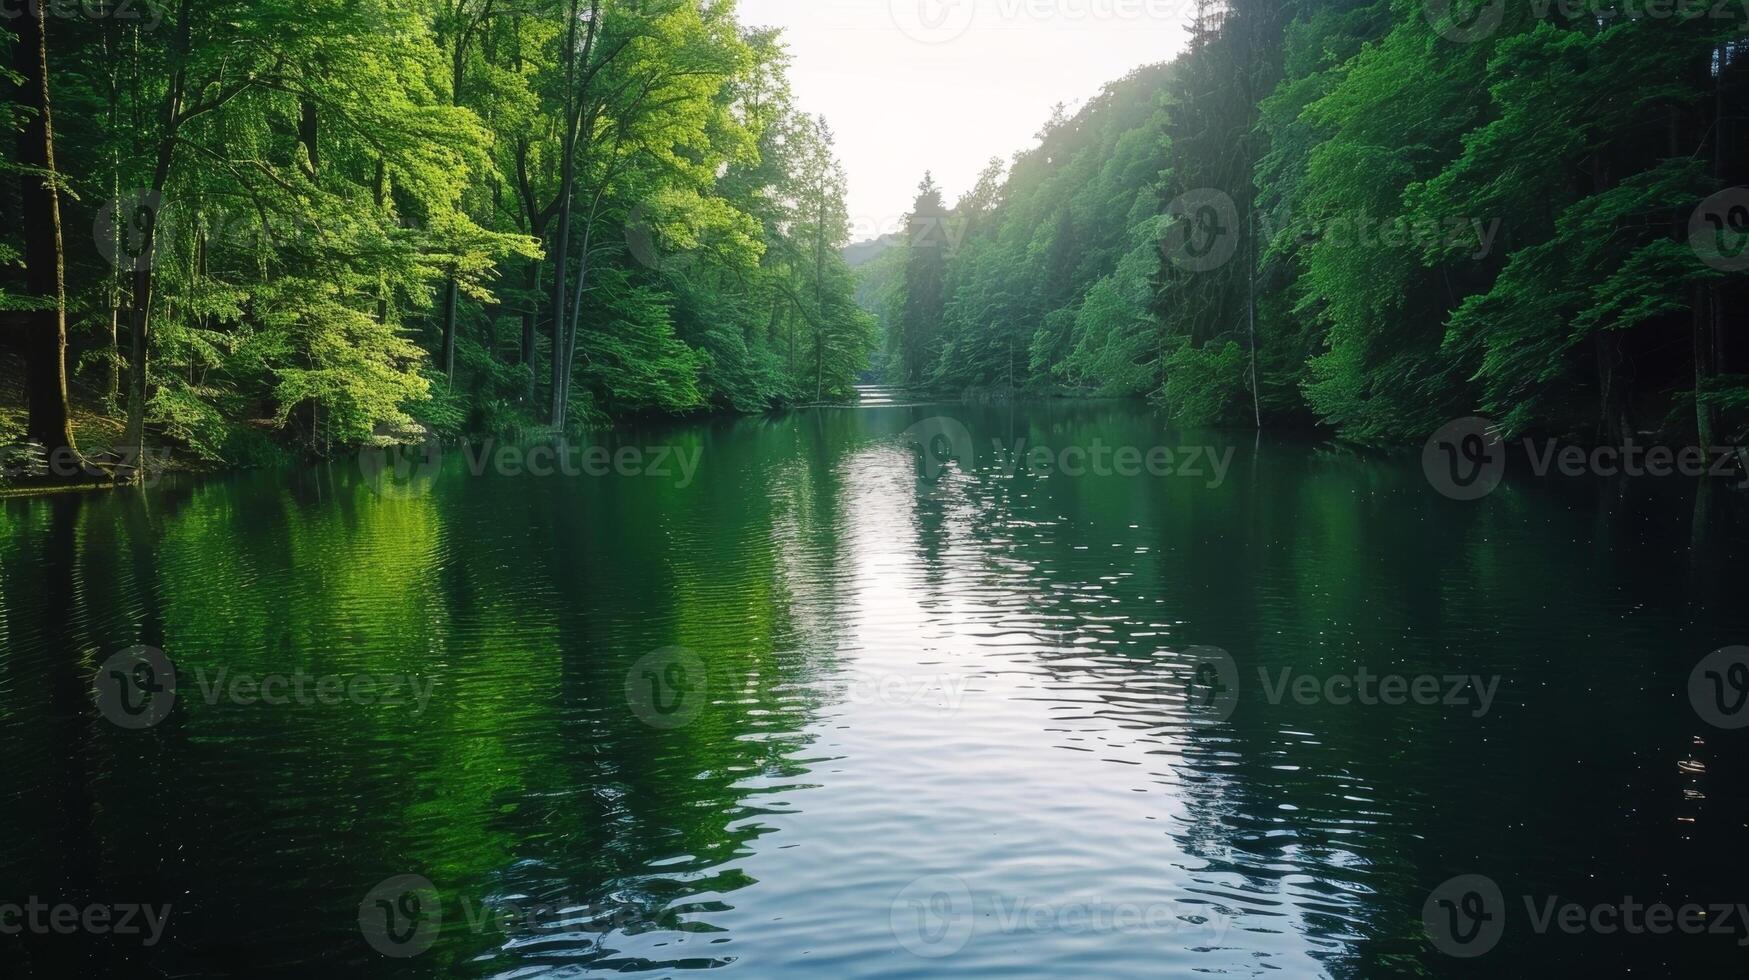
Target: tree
(925, 298)
(42, 316)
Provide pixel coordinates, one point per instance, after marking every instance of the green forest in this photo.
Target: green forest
(1368, 218)
(256, 230)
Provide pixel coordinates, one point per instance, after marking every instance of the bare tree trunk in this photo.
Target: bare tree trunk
(1612, 411)
(567, 178)
(530, 313)
(115, 285)
(45, 340)
(140, 327)
(1706, 305)
(570, 343)
(382, 200)
(309, 129)
(458, 67)
(1705, 300)
(1251, 307)
(450, 289)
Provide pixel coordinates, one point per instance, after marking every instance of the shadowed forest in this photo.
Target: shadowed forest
(1360, 215)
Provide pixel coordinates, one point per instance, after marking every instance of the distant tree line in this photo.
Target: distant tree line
(1369, 215)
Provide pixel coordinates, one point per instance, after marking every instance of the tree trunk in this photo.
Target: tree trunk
(45, 340)
(382, 199)
(1251, 309)
(450, 289)
(147, 216)
(458, 68)
(1706, 296)
(1706, 305)
(1612, 420)
(308, 131)
(567, 178)
(530, 313)
(115, 284)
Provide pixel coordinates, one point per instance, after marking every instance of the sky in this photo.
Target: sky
(944, 85)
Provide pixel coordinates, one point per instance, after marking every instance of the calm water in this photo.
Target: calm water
(809, 715)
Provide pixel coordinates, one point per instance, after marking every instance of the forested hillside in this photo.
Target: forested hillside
(1360, 214)
(296, 225)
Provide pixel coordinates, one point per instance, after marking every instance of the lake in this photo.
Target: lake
(1067, 693)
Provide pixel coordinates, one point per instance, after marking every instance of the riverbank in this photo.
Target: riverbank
(102, 463)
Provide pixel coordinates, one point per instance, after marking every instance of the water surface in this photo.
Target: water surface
(806, 714)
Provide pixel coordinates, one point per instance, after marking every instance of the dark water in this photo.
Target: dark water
(809, 715)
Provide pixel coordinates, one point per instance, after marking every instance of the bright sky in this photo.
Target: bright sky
(944, 85)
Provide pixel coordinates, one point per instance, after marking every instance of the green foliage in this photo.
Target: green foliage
(325, 176)
(1421, 228)
(995, 292)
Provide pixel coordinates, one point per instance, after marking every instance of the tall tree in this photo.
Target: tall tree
(43, 321)
(925, 296)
